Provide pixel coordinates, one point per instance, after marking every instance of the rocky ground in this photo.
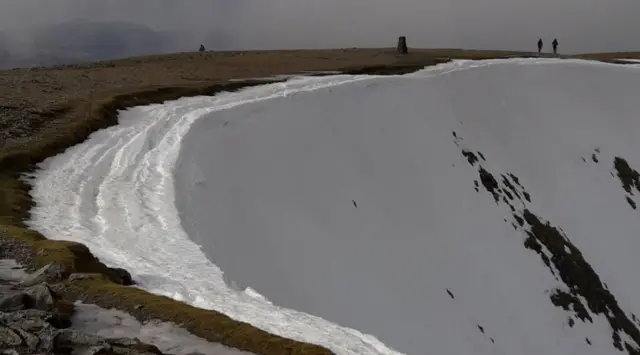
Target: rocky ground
(34, 319)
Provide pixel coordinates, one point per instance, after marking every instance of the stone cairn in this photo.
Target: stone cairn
(402, 45)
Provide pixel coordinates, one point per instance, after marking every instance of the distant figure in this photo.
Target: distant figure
(539, 46)
(555, 46)
(202, 48)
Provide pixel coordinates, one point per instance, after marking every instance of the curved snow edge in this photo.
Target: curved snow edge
(63, 253)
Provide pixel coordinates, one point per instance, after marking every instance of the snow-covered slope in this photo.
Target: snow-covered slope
(470, 208)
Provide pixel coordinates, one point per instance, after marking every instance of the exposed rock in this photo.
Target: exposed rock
(31, 332)
(27, 303)
(49, 273)
(13, 302)
(585, 295)
(41, 297)
(471, 158)
(124, 275)
(37, 297)
(9, 338)
(35, 320)
(570, 302)
(29, 319)
(629, 177)
(68, 337)
(489, 183)
(31, 341)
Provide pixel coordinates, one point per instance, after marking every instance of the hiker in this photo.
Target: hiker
(555, 46)
(539, 46)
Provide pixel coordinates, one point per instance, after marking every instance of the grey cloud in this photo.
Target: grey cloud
(580, 25)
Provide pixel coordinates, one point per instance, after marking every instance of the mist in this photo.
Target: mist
(100, 29)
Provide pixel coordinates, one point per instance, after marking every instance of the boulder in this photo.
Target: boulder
(34, 307)
(72, 337)
(36, 297)
(123, 275)
(31, 320)
(9, 338)
(13, 302)
(30, 340)
(41, 297)
(50, 273)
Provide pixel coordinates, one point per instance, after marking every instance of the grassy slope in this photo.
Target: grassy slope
(69, 103)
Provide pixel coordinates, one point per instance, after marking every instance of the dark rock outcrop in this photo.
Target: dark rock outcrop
(13, 302)
(36, 332)
(124, 275)
(35, 320)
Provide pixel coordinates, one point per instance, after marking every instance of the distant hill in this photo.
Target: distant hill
(80, 41)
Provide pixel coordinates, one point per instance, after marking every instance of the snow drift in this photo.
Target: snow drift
(474, 207)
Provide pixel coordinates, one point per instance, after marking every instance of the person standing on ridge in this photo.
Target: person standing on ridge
(555, 46)
(539, 46)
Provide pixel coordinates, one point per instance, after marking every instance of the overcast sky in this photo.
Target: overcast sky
(580, 25)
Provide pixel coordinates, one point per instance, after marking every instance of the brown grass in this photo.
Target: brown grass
(44, 111)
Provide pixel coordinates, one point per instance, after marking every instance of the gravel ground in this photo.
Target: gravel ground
(11, 249)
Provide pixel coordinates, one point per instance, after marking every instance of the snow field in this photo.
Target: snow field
(299, 152)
